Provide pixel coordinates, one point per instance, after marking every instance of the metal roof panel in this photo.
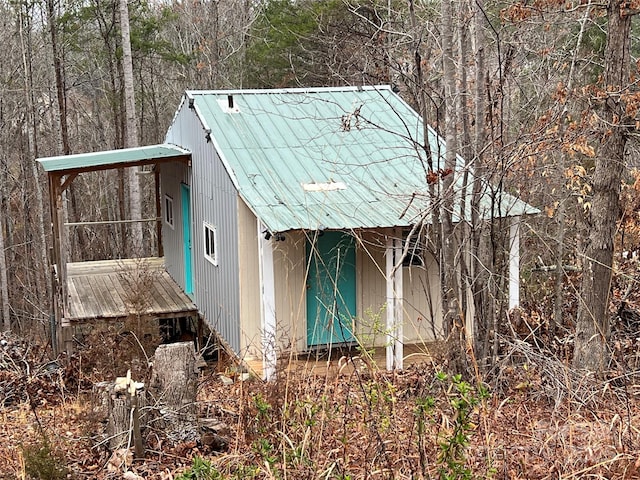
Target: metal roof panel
(368, 139)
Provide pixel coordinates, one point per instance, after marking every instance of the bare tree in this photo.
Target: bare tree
(483, 305)
(592, 327)
(4, 286)
(131, 129)
(42, 283)
(454, 318)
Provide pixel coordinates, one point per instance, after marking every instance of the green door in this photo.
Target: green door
(331, 289)
(186, 238)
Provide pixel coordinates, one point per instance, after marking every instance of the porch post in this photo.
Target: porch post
(390, 300)
(59, 285)
(393, 253)
(514, 263)
(399, 295)
(267, 305)
(159, 219)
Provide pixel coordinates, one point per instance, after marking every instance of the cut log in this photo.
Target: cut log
(118, 423)
(119, 404)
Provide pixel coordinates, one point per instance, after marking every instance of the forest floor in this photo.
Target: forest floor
(530, 417)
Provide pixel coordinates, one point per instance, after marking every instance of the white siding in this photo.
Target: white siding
(422, 311)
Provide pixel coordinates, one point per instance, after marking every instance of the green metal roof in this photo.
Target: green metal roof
(112, 158)
(335, 158)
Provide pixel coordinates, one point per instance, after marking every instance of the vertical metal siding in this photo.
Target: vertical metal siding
(214, 201)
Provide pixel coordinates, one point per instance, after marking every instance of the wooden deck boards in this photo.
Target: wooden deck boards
(116, 289)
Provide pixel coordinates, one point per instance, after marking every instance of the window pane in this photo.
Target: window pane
(210, 244)
(168, 210)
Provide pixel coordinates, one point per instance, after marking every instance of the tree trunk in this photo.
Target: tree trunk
(119, 404)
(4, 286)
(446, 213)
(463, 107)
(4, 183)
(131, 132)
(592, 327)
(43, 287)
(479, 259)
(61, 96)
(561, 214)
(453, 322)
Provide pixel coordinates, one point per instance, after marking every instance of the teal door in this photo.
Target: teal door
(331, 289)
(186, 237)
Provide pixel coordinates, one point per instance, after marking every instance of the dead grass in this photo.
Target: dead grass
(540, 422)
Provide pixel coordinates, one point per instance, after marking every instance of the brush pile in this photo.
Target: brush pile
(26, 373)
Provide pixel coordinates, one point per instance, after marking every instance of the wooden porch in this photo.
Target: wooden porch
(344, 360)
(117, 289)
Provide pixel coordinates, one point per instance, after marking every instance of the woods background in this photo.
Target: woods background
(539, 97)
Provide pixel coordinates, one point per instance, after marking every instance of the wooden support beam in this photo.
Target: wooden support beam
(156, 180)
(111, 222)
(59, 260)
(67, 181)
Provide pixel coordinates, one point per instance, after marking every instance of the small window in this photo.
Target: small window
(415, 254)
(210, 243)
(168, 210)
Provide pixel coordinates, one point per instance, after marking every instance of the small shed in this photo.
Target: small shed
(286, 219)
(289, 228)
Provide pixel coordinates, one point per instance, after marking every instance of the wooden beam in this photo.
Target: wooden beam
(67, 181)
(111, 222)
(156, 184)
(55, 265)
(186, 159)
(54, 183)
(59, 260)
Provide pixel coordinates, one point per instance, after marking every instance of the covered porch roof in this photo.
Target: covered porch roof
(63, 169)
(108, 159)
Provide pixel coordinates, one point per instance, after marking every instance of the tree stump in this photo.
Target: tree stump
(173, 388)
(119, 403)
(118, 423)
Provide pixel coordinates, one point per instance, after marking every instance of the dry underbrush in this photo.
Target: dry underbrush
(532, 417)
